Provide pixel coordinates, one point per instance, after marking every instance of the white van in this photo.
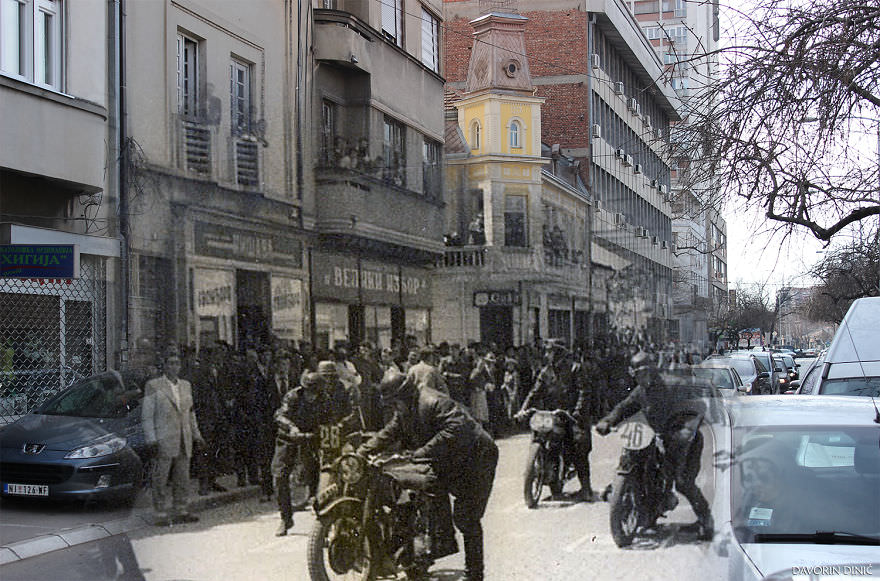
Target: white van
(851, 365)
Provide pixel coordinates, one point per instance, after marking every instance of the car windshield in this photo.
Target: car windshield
(743, 366)
(718, 377)
(800, 480)
(868, 386)
(100, 396)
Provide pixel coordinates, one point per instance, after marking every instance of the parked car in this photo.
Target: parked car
(724, 377)
(778, 373)
(754, 375)
(792, 365)
(84, 442)
(851, 365)
(802, 485)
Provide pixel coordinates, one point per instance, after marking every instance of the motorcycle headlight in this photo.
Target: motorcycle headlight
(101, 447)
(541, 422)
(351, 469)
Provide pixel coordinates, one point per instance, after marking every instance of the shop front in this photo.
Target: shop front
(357, 299)
(247, 286)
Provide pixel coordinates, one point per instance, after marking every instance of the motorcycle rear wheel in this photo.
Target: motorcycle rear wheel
(320, 565)
(534, 478)
(624, 512)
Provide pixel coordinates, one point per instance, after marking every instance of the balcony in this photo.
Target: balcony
(365, 202)
(344, 39)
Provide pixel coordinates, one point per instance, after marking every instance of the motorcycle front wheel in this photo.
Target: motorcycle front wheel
(534, 477)
(624, 512)
(340, 551)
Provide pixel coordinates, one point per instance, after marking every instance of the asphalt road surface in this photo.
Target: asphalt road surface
(561, 540)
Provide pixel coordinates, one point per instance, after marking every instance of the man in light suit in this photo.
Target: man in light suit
(170, 424)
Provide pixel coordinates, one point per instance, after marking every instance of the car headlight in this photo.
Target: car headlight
(101, 447)
(351, 469)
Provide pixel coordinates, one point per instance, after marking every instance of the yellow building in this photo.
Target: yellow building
(517, 260)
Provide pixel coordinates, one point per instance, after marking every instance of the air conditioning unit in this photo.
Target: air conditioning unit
(653, 183)
(658, 133)
(637, 168)
(619, 219)
(661, 188)
(646, 121)
(598, 204)
(632, 104)
(673, 247)
(664, 245)
(597, 131)
(627, 160)
(654, 240)
(638, 109)
(618, 88)
(595, 61)
(642, 232)
(620, 153)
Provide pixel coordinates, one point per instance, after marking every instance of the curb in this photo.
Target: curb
(66, 538)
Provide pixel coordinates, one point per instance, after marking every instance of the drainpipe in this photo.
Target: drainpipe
(300, 81)
(118, 175)
(589, 221)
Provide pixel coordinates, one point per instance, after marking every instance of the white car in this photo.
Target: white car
(798, 486)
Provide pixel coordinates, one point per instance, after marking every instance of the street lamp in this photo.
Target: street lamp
(877, 121)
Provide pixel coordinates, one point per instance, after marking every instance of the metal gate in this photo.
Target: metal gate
(52, 333)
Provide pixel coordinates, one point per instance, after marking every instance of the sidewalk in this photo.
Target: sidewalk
(141, 516)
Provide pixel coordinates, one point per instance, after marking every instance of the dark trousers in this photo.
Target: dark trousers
(683, 450)
(471, 490)
(577, 452)
(286, 456)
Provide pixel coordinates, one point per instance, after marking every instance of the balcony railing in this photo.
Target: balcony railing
(528, 262)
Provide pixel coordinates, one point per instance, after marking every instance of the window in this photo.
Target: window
(30, 41)
(431, 168)
(187, 76)
(475, 135)
(391, 20)
(653, 32)
(515, 137)
(646, 7)
(328, 132)
(430, 41)
(394, 151)
(240, 97)
(515, 221)
(680, 8)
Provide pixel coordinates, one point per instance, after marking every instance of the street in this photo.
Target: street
(557, 540)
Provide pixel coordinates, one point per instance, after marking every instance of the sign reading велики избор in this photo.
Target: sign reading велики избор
(39, 261)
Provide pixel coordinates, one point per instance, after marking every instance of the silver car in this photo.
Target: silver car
(798, 485)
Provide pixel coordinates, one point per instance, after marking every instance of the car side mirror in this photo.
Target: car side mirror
(764, 375)
(778, 370)
(794, 384)
(742, 389)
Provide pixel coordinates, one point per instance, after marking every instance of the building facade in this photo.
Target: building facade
(685, 36)
(57, 186)
(374, 162)
(608, 109)
(218, 251)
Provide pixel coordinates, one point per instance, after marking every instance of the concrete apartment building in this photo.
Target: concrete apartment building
(57, 121)
(608, 109)
(517, 264)
(682, 33)
(375, 165)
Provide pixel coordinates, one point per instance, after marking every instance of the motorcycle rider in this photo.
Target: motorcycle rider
(561, 385)
(462, 454)
(303, 410)
(666, 408)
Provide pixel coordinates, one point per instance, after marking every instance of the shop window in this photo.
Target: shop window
(31, 41)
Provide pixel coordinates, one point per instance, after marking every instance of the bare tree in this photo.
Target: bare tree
(845, 274)
(784, 124)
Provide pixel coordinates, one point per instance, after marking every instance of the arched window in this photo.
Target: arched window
(515, 137)
(475, 135)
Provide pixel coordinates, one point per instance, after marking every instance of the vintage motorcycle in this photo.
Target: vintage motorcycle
(642, 490)
(546, 464)
(374, 519)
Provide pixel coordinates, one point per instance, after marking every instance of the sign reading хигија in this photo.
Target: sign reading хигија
(39, 261)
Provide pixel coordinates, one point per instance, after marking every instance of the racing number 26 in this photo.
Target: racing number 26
(330, 437)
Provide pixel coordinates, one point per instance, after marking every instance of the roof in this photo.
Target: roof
(803, 410)
(453, 138)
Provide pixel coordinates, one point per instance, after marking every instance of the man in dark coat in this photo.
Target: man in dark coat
(674, 413)
(463, 455)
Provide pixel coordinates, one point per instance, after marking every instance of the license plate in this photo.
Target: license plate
(26, 489)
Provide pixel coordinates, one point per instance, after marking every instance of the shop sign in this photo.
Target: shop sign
(342, 278)
(287, 307)
(238, 244)
(497, 298)
(60, 261)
